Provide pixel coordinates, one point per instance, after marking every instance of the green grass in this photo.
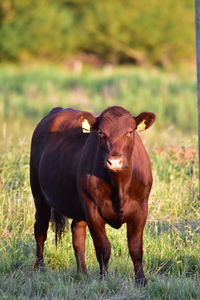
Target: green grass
(172, 233)
(30, 93)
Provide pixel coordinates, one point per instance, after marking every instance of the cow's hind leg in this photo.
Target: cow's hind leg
(42, 217)
(78, 240)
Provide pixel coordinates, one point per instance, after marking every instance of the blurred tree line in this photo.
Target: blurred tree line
(116, 31)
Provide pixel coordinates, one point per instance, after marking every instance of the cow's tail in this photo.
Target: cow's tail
(59, 223)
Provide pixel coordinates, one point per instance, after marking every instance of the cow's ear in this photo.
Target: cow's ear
(87, 120)
(144, 120)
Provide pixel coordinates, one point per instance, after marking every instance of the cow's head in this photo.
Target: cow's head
(116, 129)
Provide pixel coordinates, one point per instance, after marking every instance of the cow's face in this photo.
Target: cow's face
(117, 137)
(116, 130)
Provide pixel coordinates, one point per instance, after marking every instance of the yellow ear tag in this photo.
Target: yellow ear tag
(141, 126)
(85, 126)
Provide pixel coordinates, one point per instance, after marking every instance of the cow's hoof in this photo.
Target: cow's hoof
(141, 282)
(39, 263)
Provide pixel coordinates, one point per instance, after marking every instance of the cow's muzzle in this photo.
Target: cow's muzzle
(116, 163)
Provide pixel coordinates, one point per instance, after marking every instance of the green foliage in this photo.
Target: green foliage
(34, 28)
(132, 31)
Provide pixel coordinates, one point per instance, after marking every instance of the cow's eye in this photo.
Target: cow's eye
(130, 132)
(100, 133)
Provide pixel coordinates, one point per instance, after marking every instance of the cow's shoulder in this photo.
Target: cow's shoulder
(141, 162)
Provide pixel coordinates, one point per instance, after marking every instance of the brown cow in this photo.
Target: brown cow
(94, 170)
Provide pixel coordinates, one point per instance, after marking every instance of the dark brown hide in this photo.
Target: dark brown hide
(94, 178)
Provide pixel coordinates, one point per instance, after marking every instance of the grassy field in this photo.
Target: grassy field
(172, 234)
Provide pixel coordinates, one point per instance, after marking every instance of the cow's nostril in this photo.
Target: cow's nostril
(109, 162)
(114, 163)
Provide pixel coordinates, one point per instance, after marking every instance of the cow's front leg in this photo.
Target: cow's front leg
(135, 228)
(78, 240)
(102, 246)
